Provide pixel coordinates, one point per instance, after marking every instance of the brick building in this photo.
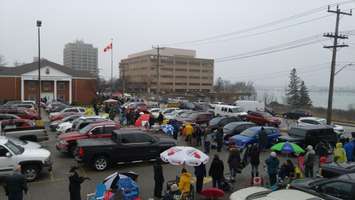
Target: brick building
(58, 82)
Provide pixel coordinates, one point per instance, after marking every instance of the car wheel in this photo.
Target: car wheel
(30, 172)
(100, 163)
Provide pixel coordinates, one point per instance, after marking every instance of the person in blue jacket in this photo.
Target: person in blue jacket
(350, 148)
(272, 165)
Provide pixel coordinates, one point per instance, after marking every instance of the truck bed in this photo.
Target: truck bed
(92, 142)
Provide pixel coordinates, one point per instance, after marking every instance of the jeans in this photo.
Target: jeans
(273, 179)
(308, 171)
(216, 183)
(254, 170)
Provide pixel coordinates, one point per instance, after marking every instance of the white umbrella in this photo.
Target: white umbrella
(110, 101)
(181, 155)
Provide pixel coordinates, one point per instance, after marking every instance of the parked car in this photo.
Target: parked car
(23, 113)
(296, 114)
(32, 161)
(23, 143)
(54, 124)
(311, 135)
(11, 124)
(250, 136)
(339, 188)
(260, 193)
(81, 122)
(125, 145)
(33, 134)
(220, 122)
(8, 116)
(137, 107)
(196, 117)
(235, 128)
(229, 111)
(177, 113)
(249, 105)
(263, 118)
(67, 142)
(56, 107)
(154, 112)
(331, 170)
(66, 112)
(311, 121)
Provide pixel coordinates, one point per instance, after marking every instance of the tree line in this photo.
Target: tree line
(297, 93)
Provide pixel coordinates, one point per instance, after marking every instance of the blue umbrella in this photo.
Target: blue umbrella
(168, 129)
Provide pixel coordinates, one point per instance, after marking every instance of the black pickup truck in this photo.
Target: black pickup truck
(126, 145)
(310, 135)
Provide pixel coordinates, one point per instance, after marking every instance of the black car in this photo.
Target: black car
(220, 122)
(336, 169)
(296, 114)
(235, 128)
(340, 188)
(126, 145)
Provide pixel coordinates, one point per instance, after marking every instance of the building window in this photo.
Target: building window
(60, 85)
(194, 77)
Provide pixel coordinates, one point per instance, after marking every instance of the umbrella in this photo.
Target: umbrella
(110, 101)
(167, 129)
(124, 183)
(142, 120)
(181, 155)
(287, 147)
(212, 193)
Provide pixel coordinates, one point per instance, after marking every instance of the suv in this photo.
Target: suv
(32, 161)
(20, 112)
(67, 142)
(263, 118)
(311, 135)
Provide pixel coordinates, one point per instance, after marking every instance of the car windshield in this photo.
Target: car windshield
(249, 133)
(215, 120)
(230, 126)
(85, 129)
(14, 148)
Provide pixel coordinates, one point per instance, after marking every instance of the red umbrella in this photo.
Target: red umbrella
(212, 193)
(142, 118)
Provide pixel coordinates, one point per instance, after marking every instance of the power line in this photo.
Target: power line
(292, 17)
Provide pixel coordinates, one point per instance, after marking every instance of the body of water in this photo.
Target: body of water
(342, 99)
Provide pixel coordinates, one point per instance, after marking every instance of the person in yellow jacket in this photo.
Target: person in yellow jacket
(185, 182)
(188, 130)
(339, 153)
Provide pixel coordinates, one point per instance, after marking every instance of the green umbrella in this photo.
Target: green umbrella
(287, 147)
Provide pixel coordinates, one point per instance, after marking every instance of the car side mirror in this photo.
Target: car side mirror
(8, 154)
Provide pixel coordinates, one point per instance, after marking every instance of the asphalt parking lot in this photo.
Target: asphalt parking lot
(54, 185)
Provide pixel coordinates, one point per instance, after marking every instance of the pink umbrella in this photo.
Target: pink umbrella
(181, 155)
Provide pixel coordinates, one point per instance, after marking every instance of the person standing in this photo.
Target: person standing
(75, 182)
(15, 185)
(254, 157)
(158, 178)
(200, 173)
(272, 164)
(234, 163)
(185, 182)
(216, 171)
(160, 118)
(219, 139)
(112, 113)
(96, 109)
(309, 160)
(262, 139)
(339, 153)
(350, 149)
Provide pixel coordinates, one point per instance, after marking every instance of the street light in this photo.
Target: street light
(39, 23)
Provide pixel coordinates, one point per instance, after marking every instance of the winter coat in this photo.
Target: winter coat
(74, 186)
(309, 158)
(254, 156)
(272, 165)
(158, 173)
(188, 130)
(234, 159)
(200, 171)
(263, 140)
(185, 182)
(350, 150)
(339, 152)
(321, 150)
(15, 185)
(216, 169)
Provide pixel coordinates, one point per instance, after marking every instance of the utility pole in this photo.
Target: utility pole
(39, 24)
(158, 67)
(335, 45)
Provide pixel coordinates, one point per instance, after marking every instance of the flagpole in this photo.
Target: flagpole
(111, 66)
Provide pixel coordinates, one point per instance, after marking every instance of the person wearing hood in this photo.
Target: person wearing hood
(216, 171)
(185, 182)
(158, 178)
(254, 158)
(350, 149)
(272, 166)
(309, 160)
(75, 182)
(234, 162)
(15, 185)
(339, 153)
(200, 173)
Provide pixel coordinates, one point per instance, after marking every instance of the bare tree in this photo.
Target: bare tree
(2, 61)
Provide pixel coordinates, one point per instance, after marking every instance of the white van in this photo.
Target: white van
(247, 105)
(229, 111)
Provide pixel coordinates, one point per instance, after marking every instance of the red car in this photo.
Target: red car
(65, 112)
(17, 124)
(67, 142)
(23, 113)
(263, 118)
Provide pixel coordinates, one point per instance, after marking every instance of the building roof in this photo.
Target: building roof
(167, 51)
(19, 70)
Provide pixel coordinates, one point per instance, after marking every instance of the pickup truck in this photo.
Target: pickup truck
(331, 170)
(310, 135)
(23, 130)
(126, 145)
(67, 142)
(32, 161)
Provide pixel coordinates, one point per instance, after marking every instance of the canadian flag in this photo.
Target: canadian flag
(108, 47)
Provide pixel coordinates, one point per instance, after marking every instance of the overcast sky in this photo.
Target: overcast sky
(136, 25)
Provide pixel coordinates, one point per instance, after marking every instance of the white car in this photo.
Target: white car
(23, 143)
(260, 193)
(311, 121)
(66, 126)
(154, 112)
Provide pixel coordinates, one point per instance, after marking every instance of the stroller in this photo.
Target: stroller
(190, 196)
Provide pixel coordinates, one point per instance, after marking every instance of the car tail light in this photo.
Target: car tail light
(81, 152)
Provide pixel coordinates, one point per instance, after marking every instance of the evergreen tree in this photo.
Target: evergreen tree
(292, 92)
(305, 100)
